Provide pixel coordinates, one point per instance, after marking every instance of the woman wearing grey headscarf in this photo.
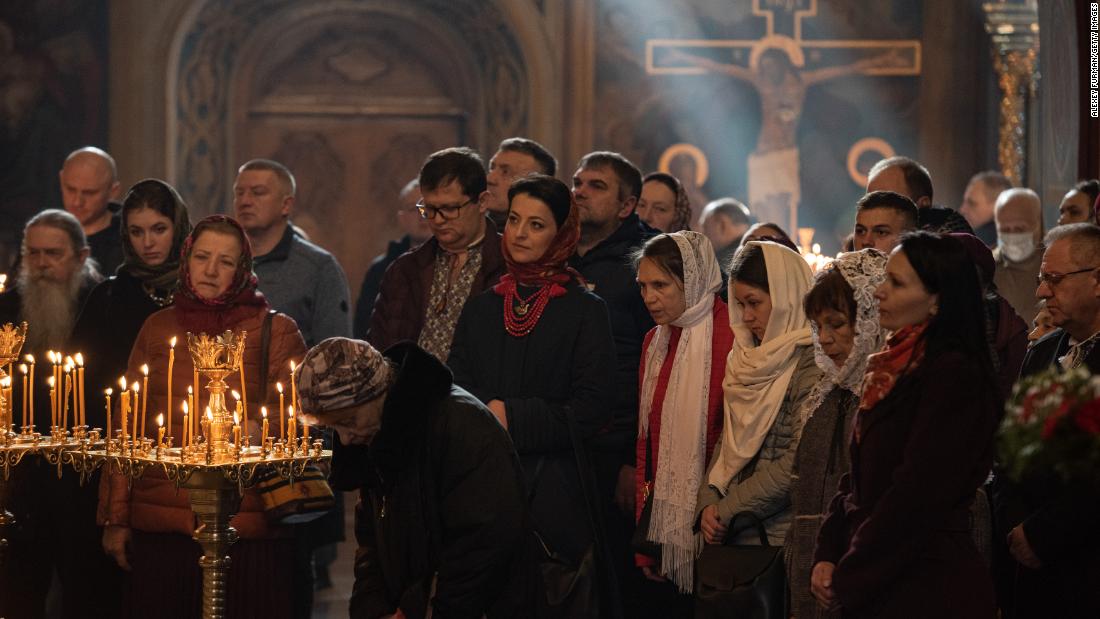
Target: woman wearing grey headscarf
(844, 317)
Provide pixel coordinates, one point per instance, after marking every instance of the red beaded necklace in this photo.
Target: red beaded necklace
(521, 315)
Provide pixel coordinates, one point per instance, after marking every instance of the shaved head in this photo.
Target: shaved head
(89, 181)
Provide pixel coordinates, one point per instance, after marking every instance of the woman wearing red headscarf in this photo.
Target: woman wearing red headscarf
(537, 350)
(148, 527)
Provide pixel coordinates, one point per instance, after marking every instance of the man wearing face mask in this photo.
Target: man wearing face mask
(1018, 215)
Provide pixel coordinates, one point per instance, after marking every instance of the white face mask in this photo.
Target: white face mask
(1017, 246)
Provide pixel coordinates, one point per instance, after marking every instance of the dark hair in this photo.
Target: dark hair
(664, 252)
(782, 238)
(1090, 188)
(945, 269)
(152, 194)
(917, 179)
(831, 291)
(547, 164)
(893, 201)
(748, 266)
(731, 209)
(281, 172)
(555, 194)
(460, 164)
(630, 177)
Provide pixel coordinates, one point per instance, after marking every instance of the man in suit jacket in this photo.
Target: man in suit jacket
(1054, 538)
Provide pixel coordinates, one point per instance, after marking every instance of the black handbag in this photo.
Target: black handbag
(640, 541)
(741, 581)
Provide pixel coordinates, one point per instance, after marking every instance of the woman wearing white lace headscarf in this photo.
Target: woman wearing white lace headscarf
(769, 374)
(843, 313)
(680, 408)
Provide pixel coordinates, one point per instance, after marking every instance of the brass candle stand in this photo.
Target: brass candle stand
(215, 468)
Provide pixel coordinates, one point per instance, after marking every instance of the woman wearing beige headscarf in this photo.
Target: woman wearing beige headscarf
(769, 375)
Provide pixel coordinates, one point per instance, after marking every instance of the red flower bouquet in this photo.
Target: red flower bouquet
(1052, 424)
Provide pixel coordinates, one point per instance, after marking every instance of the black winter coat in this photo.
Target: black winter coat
(105, 332)
(373, 281)
(610, 274)
(562, 368)
(444, 500)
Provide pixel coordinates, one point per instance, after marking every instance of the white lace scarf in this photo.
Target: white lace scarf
(864, 271)
(681, 452)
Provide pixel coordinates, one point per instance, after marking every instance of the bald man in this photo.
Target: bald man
(1018, 214)
(909, 178)
(89, 186)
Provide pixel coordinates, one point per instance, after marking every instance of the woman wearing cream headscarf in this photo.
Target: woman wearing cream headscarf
(769, 375)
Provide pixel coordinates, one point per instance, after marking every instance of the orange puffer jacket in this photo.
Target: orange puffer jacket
(153, 504)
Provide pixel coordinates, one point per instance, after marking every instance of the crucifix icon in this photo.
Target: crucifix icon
(781, 66)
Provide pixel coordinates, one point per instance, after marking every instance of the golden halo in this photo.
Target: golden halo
(702, 167)
(877, 145)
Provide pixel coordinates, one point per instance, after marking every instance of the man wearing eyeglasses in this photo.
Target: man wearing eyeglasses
(1052, 528)
(423, 291)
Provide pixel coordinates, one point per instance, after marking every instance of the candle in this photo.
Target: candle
(305, 429)
(209, 443)
(193, 430)
(282, 425)
(291, 428)
(293, 386)
(160, 430)
(134, 436)
(186, 424)
(124, 406)
(263, 431)
(107, 436)
(80, 389)
(23, 370)
(53, 402)
(30, 394)
(171, 362)
(144, 395)
(237, 430)
(244, 397)
(8, 414)
(68, 387)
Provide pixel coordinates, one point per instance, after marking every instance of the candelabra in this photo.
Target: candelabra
(215, 468)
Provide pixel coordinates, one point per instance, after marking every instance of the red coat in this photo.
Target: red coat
(721, 342)
(153, 504)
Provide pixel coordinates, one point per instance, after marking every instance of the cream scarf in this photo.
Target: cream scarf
(757, 376)
(681, 452)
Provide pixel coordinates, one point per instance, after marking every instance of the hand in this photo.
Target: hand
(821, 585)
(499, 411)
(714, 532)
(624, 490)
(116, 544)
(651, 574)
(1021, 549)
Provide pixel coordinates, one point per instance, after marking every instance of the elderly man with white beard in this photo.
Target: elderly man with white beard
(55, 517)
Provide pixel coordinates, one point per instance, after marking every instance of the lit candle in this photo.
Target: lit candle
(195, 412)
(134, 436)
(59, 381)
(293, 386)
(263, 431)
(291, 428)
(144, 395)
(67, 372)
(107, 436)
(124, 406)
(237, 398)
(282, 426)
(186, 425)
(209, 443)
(53, 402)
(30, 394)
(160, 430)
(237, 430)
(80, 389)
(23, 370)
(171, 362)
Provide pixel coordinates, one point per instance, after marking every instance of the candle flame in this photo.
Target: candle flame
(50, 381)
(263, 411)
(108, 391)
(122, 383)
(236, 419)
(68, 367)
(145, 369)
(160, 420)
(5, 382)
(30, 359)
(290, 411)
(279, 387)
(172, 342)
(68, 361)
(189, 391)
(135, 386)
(50, 356)
(79, 360)
(236, 395)
(23, 368)
(292, 366)
(184, 408)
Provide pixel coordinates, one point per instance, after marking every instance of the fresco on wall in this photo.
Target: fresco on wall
(786, 103)
(53, 99)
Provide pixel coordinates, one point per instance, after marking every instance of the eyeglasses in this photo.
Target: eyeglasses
(1053, 279)
(448, 212)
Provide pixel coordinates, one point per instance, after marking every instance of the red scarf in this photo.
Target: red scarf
(549, 274)
(904, 351)
(240, 301)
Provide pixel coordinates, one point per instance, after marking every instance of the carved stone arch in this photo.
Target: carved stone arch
(211, 41)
